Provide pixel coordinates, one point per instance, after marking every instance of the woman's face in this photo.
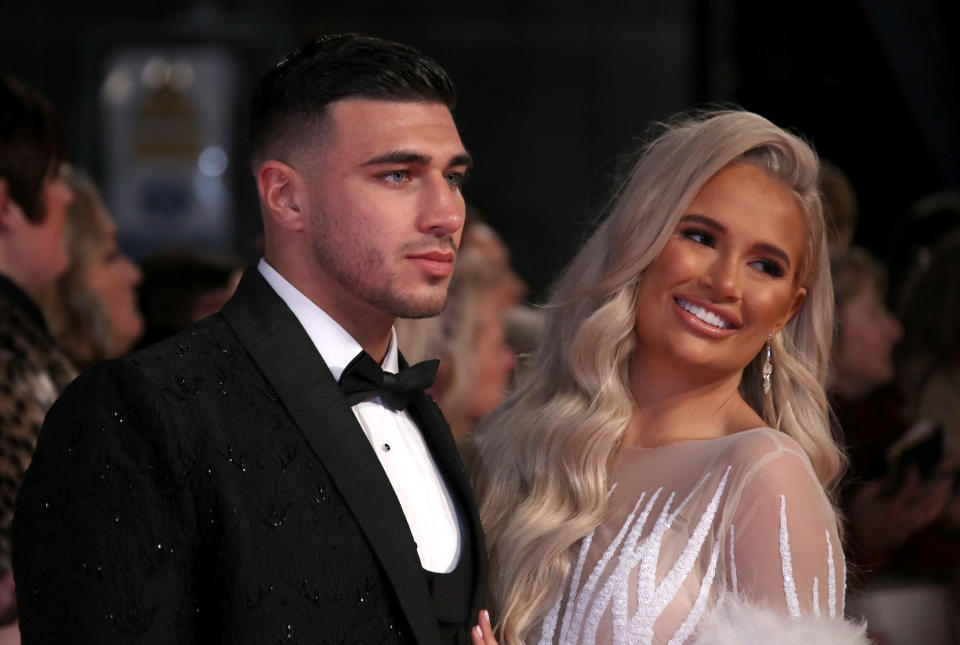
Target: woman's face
(727, 278)
(868, 333)
(113, 277)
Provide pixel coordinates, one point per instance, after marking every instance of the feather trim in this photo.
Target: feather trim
(736, 622)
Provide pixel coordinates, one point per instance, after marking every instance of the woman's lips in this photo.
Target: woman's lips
(705, 318)
(438, 264)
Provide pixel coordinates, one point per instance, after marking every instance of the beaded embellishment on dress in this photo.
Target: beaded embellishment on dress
(634, 557)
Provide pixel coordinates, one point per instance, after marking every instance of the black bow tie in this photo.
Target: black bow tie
(363, 378)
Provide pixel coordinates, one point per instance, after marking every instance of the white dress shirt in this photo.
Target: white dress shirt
(394, 436)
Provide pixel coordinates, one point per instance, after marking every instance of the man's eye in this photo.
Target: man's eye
(397, 176)
(698, 236)
(455, 178)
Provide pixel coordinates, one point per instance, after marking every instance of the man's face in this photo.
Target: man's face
(385, 207)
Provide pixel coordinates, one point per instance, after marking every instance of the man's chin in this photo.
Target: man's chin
(408, 306)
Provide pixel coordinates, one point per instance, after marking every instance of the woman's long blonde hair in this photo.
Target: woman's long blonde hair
(543, 459)
(77, 317)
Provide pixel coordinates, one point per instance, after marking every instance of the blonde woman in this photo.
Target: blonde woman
(92, 308)
(661, 474)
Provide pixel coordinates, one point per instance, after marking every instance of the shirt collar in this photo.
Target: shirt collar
(335, 344)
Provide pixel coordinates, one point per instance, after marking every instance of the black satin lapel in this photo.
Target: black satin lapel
(291, 364)
(436, 431)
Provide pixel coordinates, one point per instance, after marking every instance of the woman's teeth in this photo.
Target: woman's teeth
(706, 316)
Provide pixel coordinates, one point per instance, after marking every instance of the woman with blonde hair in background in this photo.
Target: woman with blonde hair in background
(92, 309)
(661, 473)
(469, 338)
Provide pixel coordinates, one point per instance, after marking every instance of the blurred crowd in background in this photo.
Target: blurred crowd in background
(70, 296)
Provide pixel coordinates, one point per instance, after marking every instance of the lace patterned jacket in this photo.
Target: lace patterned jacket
(728, 540)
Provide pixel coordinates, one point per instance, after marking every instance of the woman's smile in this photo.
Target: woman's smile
(729, 270)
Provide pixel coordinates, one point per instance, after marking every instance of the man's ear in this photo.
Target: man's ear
(10, 212)
(283, 193)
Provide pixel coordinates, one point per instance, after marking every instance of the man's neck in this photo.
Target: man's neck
(371, 328)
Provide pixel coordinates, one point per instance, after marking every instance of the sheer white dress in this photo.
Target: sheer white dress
(705, 541)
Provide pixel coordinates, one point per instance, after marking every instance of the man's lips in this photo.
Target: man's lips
(435, 263)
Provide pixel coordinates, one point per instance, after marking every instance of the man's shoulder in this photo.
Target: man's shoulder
(212, 334)
(205, 349)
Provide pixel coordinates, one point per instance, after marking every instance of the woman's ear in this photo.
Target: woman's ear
(283, 194)
(798, 299)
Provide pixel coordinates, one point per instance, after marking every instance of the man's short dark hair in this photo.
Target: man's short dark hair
(296, 92)
(31, 144)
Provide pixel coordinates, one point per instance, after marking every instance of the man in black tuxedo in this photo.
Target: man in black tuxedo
(259, 478)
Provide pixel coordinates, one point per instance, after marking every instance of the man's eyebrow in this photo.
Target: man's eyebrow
(709, 222)
(407, 156)
(462, 160)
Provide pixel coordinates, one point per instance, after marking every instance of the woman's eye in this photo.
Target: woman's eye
(769, 267)
(700, 237)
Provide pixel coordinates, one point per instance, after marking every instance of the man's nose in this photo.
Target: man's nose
(442, 209)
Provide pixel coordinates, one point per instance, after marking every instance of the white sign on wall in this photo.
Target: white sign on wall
(167, 119)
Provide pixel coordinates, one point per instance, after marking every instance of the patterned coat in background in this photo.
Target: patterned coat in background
(33, 372)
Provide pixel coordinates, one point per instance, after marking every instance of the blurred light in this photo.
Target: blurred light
(181, 75)
(116, 86)
(212, 161)
(156, 73)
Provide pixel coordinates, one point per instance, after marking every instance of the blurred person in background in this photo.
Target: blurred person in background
(469, 338)
(882, 514)
(524, 322)
(92, 309)
(930, 353)
(180, 288)
(482, 238)
(33, 204)
(840, 207)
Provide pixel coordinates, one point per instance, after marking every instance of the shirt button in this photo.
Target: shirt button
(385, 447)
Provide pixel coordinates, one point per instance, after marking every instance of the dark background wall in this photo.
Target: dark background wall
(554, 95)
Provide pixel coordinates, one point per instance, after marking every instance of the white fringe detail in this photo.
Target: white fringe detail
(735, 622)
(786, 564)
(831, 578)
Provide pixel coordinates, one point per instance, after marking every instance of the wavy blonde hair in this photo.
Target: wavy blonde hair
(543, 457)
(77, 317)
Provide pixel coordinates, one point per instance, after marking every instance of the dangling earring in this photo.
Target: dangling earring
(767, 368)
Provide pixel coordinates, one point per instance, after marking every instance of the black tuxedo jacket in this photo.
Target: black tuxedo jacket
(216, 488)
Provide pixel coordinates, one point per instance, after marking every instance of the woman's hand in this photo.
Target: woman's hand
(482, 632)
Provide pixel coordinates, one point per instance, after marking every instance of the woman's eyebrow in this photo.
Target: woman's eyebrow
(704, 221)
(709, 222)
